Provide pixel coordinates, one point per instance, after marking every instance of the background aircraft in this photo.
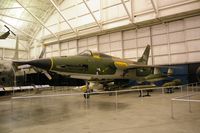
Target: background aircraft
(6, 34)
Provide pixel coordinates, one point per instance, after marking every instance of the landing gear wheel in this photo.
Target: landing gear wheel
(87, 94)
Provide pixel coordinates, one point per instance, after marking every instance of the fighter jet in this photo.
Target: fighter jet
(96, 67)
(6, 34)
(93, 66)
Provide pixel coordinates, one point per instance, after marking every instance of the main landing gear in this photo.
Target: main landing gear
(87, 92)
(147, 95)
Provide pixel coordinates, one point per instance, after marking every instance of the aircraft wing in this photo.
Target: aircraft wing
(135, 66)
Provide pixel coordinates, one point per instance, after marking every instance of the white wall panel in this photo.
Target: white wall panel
(23, 55)
(9, 53)
(116, 45)
(93, 47)
(38, 50)
(73, 51)
(115, 36)
(82, 42)
(130, 44)
(73, 44)
(130, 53)
(81, 49)
(64, 52)
(55, 47)
(48, 55)
(193, 34)
(159, 29)
(176, 26)
(176, 37)
(116, 54)
(23, 45)
(92, 40)
(178, 58)
(104, 38)
(159, 39)
(158, 60)
(130, 34)
(64, 45)
(192, 22)
(1, 53)
(8, 43)
(140, 52)
(160, 50)
(142, 42)
(193, 45)
(54, 54)
(104, 47)
(48, 48)
(143, 32)
(32, 53)
(194, 57)
(178, 48)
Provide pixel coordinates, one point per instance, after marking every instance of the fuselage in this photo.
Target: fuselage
(90, 66)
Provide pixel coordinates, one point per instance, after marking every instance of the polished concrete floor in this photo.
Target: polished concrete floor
(125, 113)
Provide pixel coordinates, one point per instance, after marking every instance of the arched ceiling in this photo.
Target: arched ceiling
(24, 17)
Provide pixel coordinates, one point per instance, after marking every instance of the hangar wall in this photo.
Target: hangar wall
(172, 43)
(7, 49)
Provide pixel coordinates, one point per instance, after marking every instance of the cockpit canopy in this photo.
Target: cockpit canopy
(90, 53)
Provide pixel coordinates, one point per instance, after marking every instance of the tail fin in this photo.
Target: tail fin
(145, 56)
(42, 52)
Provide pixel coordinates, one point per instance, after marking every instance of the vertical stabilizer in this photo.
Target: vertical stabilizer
(42, 52)
(145, 56)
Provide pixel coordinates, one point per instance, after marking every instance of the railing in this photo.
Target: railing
(188, 88)
(183, 99)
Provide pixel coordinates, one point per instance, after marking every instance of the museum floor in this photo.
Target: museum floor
(72, 114)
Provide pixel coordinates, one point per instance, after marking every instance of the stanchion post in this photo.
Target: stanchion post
(116, 100)
(181, 89)
(190, 110)
(172, 110)
(192, 88)
(163, 90)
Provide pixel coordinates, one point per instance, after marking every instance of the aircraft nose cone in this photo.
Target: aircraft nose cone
(41, 63)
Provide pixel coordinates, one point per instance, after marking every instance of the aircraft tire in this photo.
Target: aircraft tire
(87, 94)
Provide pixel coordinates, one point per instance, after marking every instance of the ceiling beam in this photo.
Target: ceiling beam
(127, 12)
(10, 8)
(38, 20)
(74, 30)
(100, 26)
(17, 18)
(155, 7)
(18, 29)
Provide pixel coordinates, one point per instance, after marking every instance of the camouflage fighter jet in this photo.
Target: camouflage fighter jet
(93, 66)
